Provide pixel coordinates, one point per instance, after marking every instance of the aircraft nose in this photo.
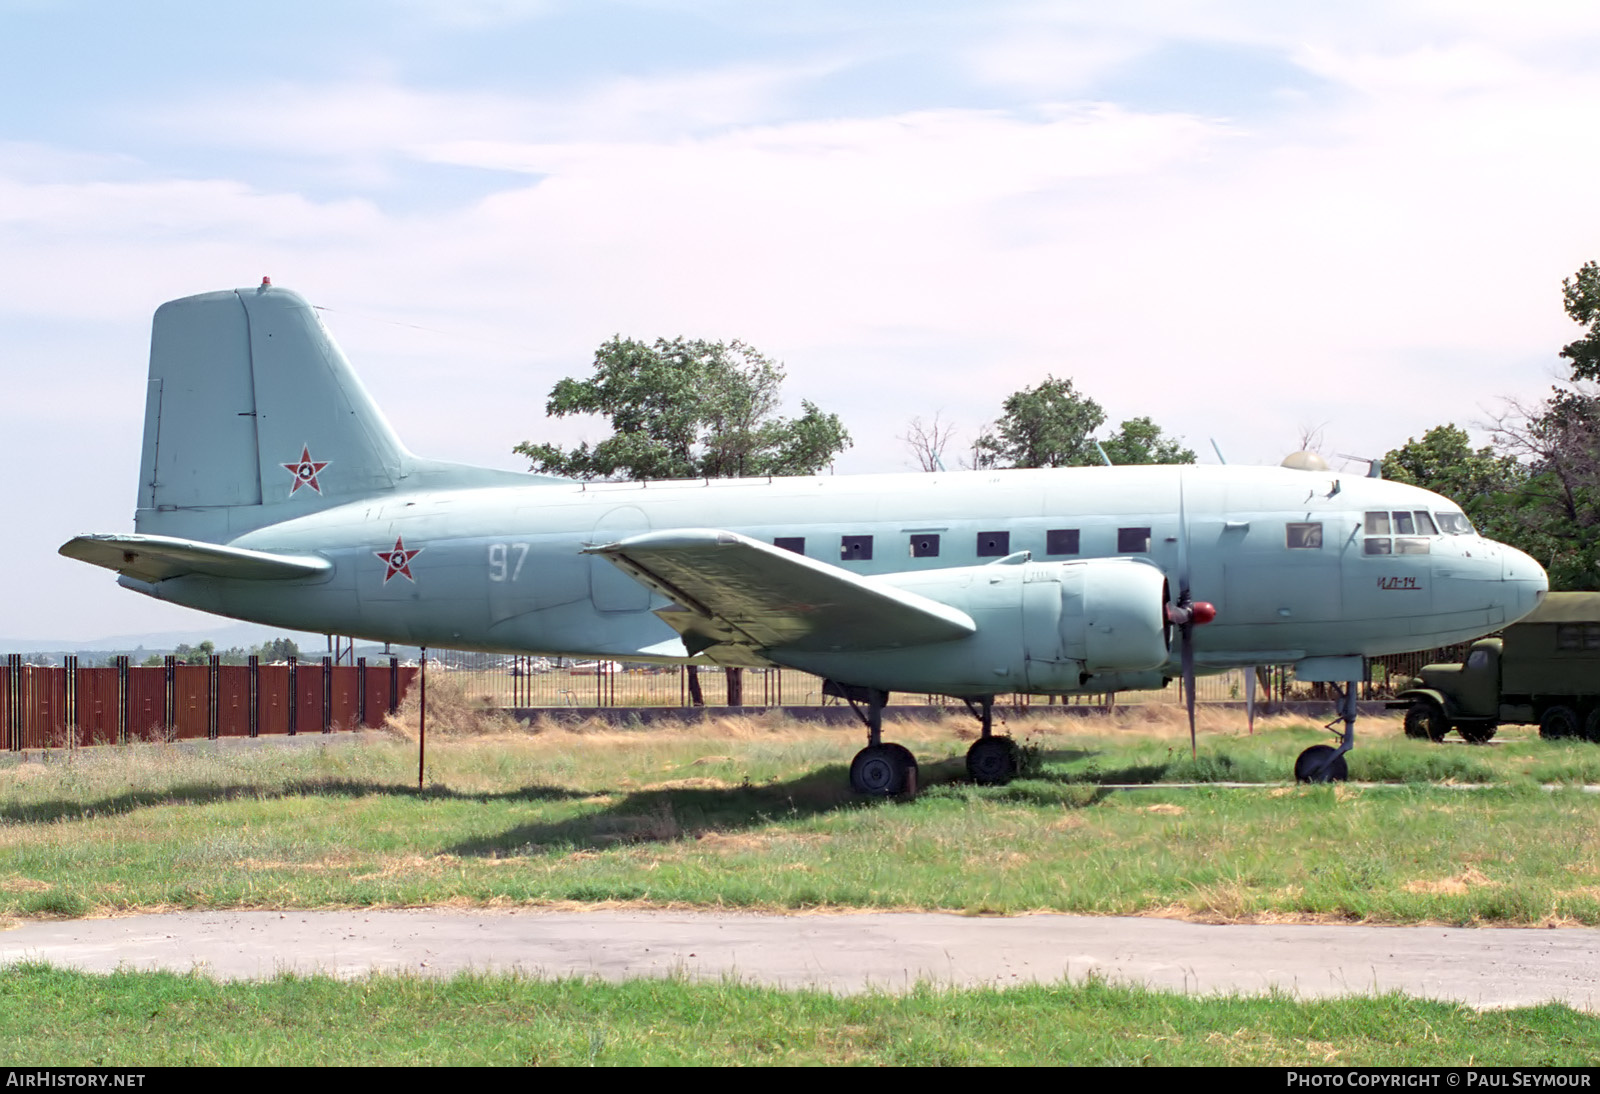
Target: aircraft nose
(1525, 579)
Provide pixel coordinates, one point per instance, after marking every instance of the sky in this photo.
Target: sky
(1251, 221)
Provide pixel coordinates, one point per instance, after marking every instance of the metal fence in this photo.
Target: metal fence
(65, 706)
(518, 685)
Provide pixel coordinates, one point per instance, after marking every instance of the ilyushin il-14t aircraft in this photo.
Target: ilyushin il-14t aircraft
(271, 489)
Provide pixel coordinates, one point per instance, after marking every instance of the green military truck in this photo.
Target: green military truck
(1544, 671)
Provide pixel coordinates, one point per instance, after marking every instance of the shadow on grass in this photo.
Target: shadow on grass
(46, 812)
(684, 813)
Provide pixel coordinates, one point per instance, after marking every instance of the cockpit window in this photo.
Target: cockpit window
(1403, 525)
(1425, 524)
(1455, 524)
(1307, 534)
(1377, 524)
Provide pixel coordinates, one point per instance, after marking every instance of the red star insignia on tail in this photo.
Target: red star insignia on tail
(398, 560)
(305, 471)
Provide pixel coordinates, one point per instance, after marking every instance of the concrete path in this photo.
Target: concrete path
(843, 953)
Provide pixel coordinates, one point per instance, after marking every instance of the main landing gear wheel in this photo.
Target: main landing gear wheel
(1314, 766)
(884, 771)
(1425, 720)
(992, 760)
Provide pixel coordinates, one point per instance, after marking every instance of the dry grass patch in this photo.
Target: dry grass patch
(1468, 879)
(25, 885)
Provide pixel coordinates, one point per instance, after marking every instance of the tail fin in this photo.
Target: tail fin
(253, 416)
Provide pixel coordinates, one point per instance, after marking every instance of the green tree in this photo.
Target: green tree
(1538, 486)
(1581, 295)
(1140, 440)
(1051, 425)
(279, 649)
(684, 409)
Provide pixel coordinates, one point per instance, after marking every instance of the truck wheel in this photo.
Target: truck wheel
(1424, 720)
(1559, 722)
(1476, 733)
(1591, 726)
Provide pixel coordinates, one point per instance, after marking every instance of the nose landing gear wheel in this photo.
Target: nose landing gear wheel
(992, 760)
(1314, 766)
(884, 771)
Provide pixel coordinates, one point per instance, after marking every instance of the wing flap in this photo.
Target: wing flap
(733, 591)
(156, 558)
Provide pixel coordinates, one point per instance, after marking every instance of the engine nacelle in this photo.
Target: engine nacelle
(1042, 627)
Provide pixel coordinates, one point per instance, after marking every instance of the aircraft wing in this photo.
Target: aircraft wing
(156, 558)
(733, 591)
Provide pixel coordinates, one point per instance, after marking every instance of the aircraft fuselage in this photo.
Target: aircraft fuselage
(1290, 558)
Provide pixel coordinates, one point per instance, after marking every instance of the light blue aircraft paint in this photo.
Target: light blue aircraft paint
(272, 489)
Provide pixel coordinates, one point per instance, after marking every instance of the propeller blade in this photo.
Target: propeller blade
(1250, 698)
(1183, 548)
(1188, 685)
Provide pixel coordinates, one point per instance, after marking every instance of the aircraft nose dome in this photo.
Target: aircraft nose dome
(1527, 577)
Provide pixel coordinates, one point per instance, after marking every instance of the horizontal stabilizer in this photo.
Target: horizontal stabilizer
(732, 590)
(156, 558)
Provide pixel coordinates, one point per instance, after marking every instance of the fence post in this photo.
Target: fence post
(123, 699)
(169, 729)
(70, 699)
(294, 696)
(327, 695)
(14, 702)
(213, 696)
(255, 695)
(394, 685)
(361, 692)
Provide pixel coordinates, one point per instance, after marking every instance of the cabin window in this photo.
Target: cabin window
(1061, 541)
(1132, 541)
(1478, 659)
(994, 544)
(1425, 524)
(1377, 525)
(855, 548)
(1377, 547)
(924, 546)
(1307, 534)
(797, 544)
(1410, 545)
(1455, 524)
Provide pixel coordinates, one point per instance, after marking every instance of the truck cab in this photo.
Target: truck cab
(1544, 671)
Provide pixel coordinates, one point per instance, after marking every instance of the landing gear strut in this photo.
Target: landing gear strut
(991, 760)
(1325, 763)
(880, 770)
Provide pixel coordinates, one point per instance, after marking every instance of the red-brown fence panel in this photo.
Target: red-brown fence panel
(308, 698)
(233, 701)
(346, 713)
(45, 708)
(377, 695)
(147, 704)
(5, 709)
(408, 675)
(99, 706)
(272, 700)
(192, 700)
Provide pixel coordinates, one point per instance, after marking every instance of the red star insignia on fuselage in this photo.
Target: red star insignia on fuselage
(305, 472)
(398, 560)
